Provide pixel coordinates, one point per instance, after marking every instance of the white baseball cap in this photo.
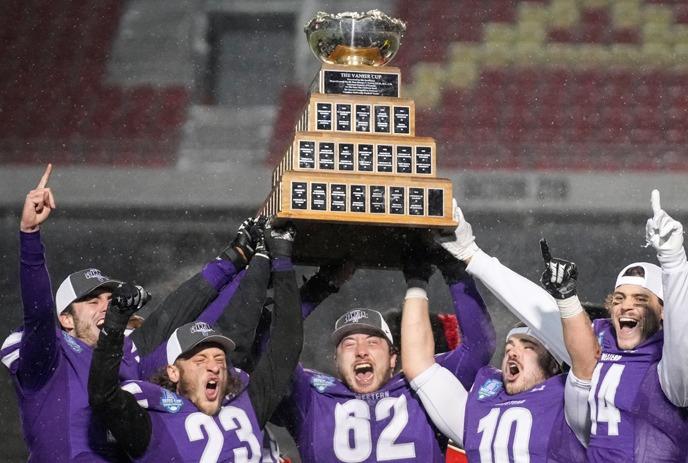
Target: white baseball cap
(651, 279)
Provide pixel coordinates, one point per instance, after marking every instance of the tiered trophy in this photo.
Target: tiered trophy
(355, 178)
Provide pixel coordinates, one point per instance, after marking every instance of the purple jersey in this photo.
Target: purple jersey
(60, 408)
(182, 433)
(331, 423)
(50, 369)
(526, 427)
(632, 420)
(335, 424)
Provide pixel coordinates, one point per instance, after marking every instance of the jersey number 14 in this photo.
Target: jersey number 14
(602, 408)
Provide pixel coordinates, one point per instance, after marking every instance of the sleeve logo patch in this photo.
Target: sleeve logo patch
(71, 342)
(322, 382)
(171, 402)
(490, 388)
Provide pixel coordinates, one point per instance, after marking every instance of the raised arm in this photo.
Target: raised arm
(271, 379)
(525, 299)
(193, 297)
(478, 337)
(128, 422)
(666, 236)
(242, 313)
(442, 395)
(38, 352)
(560, 280)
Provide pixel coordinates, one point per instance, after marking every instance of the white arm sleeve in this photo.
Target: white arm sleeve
(673, 367)
(525, 299)
(444, 399)
(576, 406)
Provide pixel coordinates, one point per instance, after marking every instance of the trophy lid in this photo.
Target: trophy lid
(370, 38)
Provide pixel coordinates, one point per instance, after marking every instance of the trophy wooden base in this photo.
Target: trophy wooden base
(363, 218)
(370, 199)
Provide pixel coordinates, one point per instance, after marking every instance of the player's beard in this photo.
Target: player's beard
(527, 379)
(85, 330)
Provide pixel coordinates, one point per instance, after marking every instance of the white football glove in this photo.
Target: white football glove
(461, 243)
(661, 231)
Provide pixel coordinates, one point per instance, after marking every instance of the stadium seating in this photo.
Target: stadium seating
(55, 104)
(565, 84)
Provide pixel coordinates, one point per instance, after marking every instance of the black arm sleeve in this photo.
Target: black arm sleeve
(240, 318)
(183, 305)
(271, 379)
(128, 422)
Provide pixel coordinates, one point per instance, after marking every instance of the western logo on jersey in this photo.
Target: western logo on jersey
(490, 388)
(322, 382)
(72, 343)
(170, 401)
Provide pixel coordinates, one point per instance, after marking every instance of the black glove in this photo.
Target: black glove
(416, 264)
(248, 236)
(326, 280)
(559, 277)
(128, 298)
(279, 241)
(453, 270)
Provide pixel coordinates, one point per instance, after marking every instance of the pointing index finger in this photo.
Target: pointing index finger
(546, 255)
(45, 177)
(654, 200)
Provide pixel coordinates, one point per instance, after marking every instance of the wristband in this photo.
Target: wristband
(569, 307)
(416, 293)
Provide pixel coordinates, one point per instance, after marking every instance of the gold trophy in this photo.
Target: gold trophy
(355, 179)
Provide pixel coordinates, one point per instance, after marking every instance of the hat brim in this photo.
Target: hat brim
(226, 343)
(107, 284)
(356, 328)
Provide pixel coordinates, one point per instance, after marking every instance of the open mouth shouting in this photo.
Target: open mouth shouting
(211, 390)
(364, 373)
(513, 369)
(627, 325)
(629, 331)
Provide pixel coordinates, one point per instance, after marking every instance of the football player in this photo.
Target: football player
(202, 409)
(49, 358)
(639, 392)
(515, 413)
(369, 413)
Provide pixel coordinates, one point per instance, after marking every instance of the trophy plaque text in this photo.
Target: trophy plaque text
(355, 178)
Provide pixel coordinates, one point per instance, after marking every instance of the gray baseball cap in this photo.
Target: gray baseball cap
(80, 284)
(188, 336)
(361, 321)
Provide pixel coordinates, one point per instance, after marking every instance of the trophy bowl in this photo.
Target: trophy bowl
(370, 38)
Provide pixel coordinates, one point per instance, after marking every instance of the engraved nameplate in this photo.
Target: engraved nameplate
(416, 201)
(358, 197)
(318, 196)
(326, 155)
(338, 197)
(299, 198)
(377, 199)
(384, 158)
(324, 116)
